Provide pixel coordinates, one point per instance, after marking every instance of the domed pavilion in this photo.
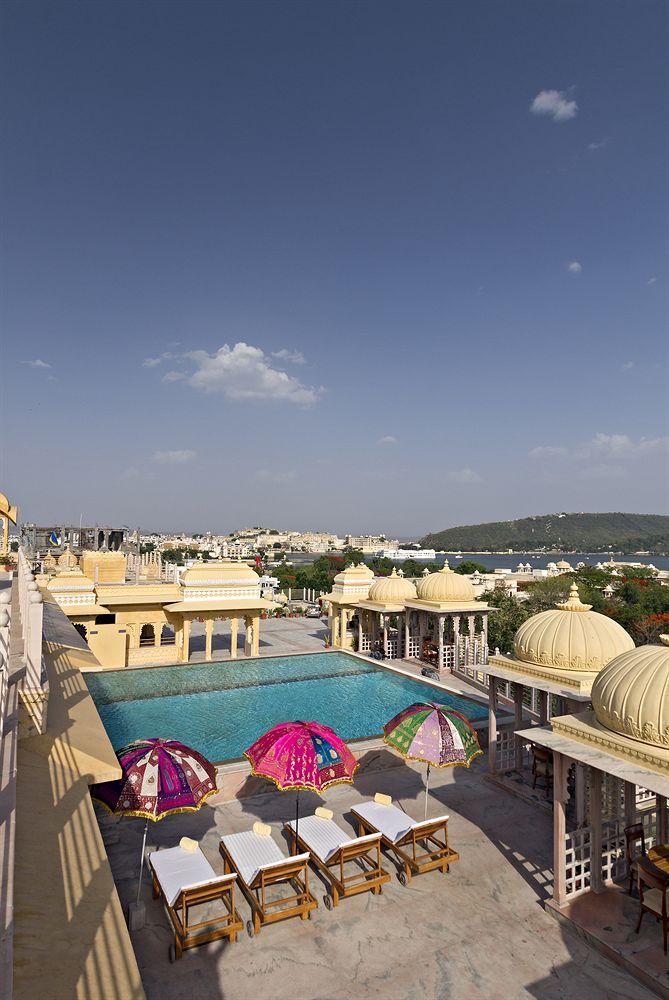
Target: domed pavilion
(436, 621)
(557, 656)
(622, 744)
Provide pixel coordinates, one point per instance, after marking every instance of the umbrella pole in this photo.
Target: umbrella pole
(427, 786)
(297, 818)
(141, 867)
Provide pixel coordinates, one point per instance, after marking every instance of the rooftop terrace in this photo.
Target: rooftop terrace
(479, 931)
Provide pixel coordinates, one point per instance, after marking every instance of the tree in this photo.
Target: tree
(468, 566)
(506, 620)
(352, 556)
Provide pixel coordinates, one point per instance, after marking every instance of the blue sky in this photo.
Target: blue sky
(359, 267)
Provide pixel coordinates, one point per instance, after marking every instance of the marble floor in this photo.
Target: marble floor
(478, 932)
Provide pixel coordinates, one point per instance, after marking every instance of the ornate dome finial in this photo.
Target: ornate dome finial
(446, 568)
(574, 602)
(664, 639)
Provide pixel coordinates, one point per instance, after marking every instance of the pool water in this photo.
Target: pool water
(221, 708)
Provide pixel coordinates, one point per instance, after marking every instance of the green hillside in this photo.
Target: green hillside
(559, 532)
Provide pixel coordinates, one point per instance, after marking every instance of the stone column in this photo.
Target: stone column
(484, 658)
(157, 633)
(579, 793)
(440, 643)
(560, 796)
(518, 691)
(595, 830)
(185, 649)
(342, 627)
(456, 641)
(492, 724)
(384, 626)
(543, 708)
(256, 634)
(248, 640)
(208, 636)
(360, 615)
(407, 632)
(233, 638)
(661, 806)
(630, 802)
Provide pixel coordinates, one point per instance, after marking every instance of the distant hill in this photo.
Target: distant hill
(559, 532)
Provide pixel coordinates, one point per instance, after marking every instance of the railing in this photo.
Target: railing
(31, 610)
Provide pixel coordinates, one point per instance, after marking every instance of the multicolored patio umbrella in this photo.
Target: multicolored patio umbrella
(160, 778)
(302, 756)
(432, 733)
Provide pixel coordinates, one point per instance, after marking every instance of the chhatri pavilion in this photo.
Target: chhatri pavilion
(436, 621)
(557, 655)
(134, 624)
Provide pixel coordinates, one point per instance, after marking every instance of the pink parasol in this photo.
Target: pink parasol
(301, 756)
(160, 778)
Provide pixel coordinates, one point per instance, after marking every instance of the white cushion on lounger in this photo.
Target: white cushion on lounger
(250, 853)
(177, 870)
(324, 838)
(392, 822)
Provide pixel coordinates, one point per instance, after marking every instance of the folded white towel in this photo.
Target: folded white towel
(262, 829)
(323, 813)
(186, 844)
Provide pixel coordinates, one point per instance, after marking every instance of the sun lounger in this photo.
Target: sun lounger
(260, 865)
(185, 879)
(419, 846)
(332, 848)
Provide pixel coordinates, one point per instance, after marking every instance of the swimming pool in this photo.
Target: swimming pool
(221, 708)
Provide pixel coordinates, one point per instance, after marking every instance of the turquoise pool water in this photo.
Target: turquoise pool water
(221, 708)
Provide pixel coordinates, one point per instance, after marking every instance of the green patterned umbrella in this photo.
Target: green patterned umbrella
(437, 735)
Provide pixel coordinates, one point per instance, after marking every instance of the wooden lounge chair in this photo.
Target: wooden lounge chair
(417, 845)
(185, 879)
(260, 865)
(332, 849)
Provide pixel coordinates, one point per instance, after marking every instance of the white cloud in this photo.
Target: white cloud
(464, 476)
(622, 444)
(598, 452)
(574, 267)
(37, 363)
(244, 372)
(292, 357)
(173, 377)
(547, 451)
(555, 104)
(627, 366)
(388, 439)
(651, 281)
(154, 362)
(598, 145)
(278, 478)
(173, 457)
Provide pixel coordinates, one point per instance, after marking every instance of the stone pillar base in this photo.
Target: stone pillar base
(33, 708)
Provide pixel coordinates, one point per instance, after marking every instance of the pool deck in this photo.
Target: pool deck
(480, 931)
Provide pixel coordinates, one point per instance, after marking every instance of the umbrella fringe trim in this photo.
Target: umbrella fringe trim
(299, 787)
(424, 760)
(142, 814)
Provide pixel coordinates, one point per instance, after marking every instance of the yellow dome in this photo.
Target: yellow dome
(391, 589)
(68, 560)
(446, 586)
(571, 637)
(631, 696)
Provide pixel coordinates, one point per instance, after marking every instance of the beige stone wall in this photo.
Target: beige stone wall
(109, 644)
(111, 566)
(153, 656)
